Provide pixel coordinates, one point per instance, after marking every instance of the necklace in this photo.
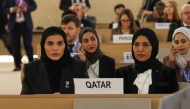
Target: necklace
(143, 82)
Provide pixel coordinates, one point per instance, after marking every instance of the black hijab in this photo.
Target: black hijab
(54, 67)
(152, 62)
(92, 57)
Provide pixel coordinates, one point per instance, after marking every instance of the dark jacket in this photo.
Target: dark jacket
(151, 18)
(106, 66)
(36, 78)
(92, 19)
(85, 23)
(7, 4)
(173, 26)
(65, 4)
(164, 80)
(3, 20)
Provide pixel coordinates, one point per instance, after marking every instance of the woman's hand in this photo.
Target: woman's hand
(172, 54)
(81, 53)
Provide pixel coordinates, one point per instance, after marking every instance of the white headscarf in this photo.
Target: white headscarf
(181, 60)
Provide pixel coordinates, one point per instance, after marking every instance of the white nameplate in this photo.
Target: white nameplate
(128, 58)
(162, 25)
(73, 54)
(98, 85)
(122, 38)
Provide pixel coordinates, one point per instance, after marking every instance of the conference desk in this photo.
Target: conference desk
(64, 101)
(147, 24)
(106, 34)
(143, 24)
(116, 51)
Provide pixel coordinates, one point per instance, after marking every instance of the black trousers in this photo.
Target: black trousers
(21, 29)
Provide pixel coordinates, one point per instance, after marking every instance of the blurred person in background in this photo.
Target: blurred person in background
(20, 23)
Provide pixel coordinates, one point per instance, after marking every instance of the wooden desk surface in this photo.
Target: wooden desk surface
(64, 101)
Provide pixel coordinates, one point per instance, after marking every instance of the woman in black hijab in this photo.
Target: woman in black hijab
(99, 65)
(147, 75)
(55, 70)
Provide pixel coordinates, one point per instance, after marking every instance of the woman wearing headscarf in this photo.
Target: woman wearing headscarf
(179, 54)
(98, 64)
(55, 70)
(147, 75)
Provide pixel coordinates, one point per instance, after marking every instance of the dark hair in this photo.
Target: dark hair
(68, 12)
(71, 18)
(159, 3)
(119, 6)
(133, 27)
(53, 33)
(188, 2)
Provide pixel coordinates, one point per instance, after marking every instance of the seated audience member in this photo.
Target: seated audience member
(78, 9)
(158, 12)
(55, 70)
(170, 13)
(147, 75)
(99, 65)
(185, 21)
(70, 24)
(92, 19)
(118, 9)
(179, 54)
(126, 24)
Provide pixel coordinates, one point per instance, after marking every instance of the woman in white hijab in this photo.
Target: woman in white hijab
(179, 54)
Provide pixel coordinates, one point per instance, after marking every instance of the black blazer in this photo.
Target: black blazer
(164, 80)
(172, 28)
(106, 66)
(3, 20)
(36, 79)
(92, 19)
(86, 23)
(65, 4)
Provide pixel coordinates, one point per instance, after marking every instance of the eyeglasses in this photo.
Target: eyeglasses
(123, 21)
(186, 13)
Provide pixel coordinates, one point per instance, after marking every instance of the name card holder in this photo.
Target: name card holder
(162, 25)
(122, 38)
(98, 85)
(128, 57)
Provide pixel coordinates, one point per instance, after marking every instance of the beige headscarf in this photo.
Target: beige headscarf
(181, 60)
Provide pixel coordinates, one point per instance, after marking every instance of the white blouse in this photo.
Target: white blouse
(143, 81)
(95, 68)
